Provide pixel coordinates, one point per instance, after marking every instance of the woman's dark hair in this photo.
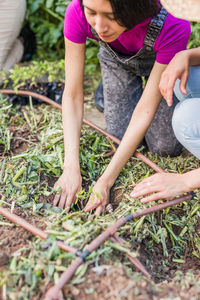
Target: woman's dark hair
(129, 13)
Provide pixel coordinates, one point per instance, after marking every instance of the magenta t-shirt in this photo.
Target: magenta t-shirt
(173, 37)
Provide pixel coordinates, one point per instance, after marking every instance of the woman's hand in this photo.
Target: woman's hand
(163, 185)
(177, 68)
(70, 183)
(99, 198)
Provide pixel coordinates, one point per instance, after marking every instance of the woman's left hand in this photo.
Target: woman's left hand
(162, 185)
(177, 68)
(99, 198)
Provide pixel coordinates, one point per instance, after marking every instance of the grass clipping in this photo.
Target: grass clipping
(31, 159)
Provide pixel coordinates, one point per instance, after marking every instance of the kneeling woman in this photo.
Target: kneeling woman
(137, 39)
(183, 75)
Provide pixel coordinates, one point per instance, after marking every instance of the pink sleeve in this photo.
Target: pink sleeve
(172, 39)
(75, 24)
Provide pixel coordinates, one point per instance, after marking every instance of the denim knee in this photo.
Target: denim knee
(192, 86)
(178, 122)
(186, 124)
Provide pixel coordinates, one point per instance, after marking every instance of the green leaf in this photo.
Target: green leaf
(49, 3)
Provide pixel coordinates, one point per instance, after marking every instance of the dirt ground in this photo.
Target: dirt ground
(13, 237)
(106, 281)
(175, 281)
(109, 281)
(113, 284)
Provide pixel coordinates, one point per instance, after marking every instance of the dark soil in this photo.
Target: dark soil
(154, 260)
(22, 140)
(160, 271)
(52, 90)
(113, 283)
(14, 237)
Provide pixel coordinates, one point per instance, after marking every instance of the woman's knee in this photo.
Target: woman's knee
(192, 86)
(186, 120)
(174, 148)
(11, 18)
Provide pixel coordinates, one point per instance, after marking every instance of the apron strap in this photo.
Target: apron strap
(154, 29)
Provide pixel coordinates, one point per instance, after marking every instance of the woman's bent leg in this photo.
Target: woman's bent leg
(11, 18)
(160, 137)
(14, 56)
(192, 86)
(186, 124)
(122, 91)
(186, 117)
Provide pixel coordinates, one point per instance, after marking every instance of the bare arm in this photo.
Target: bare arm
(194, 56)
(178, 68)
(72, 102)
(72, 114)
(140, 121)
(170, 185)
(166, 185)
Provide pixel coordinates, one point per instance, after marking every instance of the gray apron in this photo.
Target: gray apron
(123, 87)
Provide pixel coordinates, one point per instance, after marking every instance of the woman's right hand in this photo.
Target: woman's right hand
(178, 68)
(70, 183)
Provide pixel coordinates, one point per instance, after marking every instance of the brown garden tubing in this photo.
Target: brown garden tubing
(34, 230)
(134, 260)
(53, 293)
(92, 125)
(65, 247)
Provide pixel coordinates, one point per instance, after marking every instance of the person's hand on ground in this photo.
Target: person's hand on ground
(98, 199)
(70, 184)
(178, 68)
(162, 185)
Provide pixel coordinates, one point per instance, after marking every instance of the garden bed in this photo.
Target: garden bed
(31, 157)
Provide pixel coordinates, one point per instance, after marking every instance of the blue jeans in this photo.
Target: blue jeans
(186, 117)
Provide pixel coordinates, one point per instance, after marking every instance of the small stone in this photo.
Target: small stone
(143, 284)
(75, 291)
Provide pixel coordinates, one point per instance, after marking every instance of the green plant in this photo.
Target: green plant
(35, 72)
(46, 18)
(195, 35)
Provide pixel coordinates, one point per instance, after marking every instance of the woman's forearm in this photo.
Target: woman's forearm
(194, 56)
(192, 180)
(72, 102)
(72, 113)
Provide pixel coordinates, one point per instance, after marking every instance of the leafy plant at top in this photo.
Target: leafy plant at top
(195, 35)
(46, 19)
